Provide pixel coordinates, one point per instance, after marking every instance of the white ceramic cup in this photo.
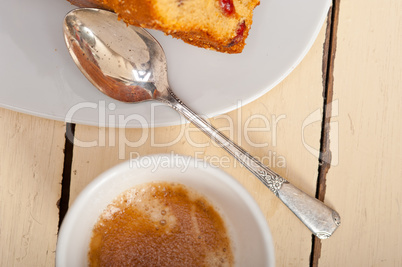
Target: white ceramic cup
(247, 225)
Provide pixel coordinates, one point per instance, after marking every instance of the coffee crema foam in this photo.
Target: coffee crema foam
(160, 224)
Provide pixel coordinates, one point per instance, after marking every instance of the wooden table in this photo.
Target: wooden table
(344, 99)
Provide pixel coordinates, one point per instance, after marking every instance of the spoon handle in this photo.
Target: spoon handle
(319, 218)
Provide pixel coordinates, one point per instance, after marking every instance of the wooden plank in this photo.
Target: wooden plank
(285, 112)
(365, 185)
(31, 166)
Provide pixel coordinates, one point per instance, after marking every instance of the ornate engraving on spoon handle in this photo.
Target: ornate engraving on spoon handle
(318, 217)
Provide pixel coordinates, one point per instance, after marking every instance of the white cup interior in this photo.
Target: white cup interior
(252, 239)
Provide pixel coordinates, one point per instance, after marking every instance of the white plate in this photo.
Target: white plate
(38, 76)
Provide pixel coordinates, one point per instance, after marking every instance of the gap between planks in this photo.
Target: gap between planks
(66, 179)
(324, 162)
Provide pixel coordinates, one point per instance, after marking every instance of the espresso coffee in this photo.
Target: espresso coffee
(160, 224)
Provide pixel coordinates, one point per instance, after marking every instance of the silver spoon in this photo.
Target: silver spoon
(128, 64)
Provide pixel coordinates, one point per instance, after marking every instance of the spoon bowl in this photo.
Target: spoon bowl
(124, 62)
(128, 64)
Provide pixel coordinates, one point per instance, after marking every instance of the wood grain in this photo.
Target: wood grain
(366, 185)
(277, 119)
(31, 165)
